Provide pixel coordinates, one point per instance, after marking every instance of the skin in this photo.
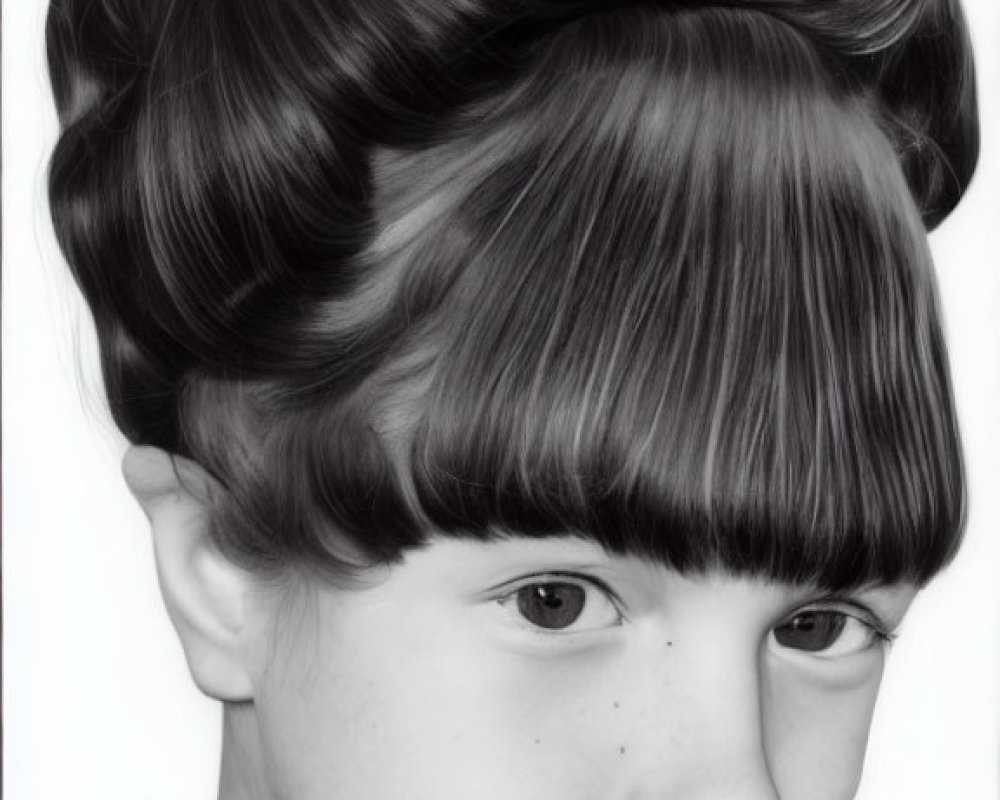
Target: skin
(428, 682)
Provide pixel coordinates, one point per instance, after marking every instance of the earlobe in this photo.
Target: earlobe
(205, 592)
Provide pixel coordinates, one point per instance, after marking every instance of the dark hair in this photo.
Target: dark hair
(651, 273)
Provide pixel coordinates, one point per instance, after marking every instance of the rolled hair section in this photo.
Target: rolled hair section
(212, 176)
(400, 268)
(914, 62)
(912, 59)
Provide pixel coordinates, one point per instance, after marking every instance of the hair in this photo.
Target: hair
(654, 274)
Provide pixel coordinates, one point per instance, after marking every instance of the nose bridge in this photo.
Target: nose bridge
(705, 737)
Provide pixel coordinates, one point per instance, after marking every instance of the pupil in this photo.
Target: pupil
(552, 606)
(811, 631)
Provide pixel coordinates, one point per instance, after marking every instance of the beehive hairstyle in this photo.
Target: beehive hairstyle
(655, 274)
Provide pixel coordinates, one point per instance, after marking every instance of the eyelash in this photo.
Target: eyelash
(510, 591)
(859, 612)
(847, 608)
(850, 611)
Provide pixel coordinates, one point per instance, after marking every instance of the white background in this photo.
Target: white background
(96, 697)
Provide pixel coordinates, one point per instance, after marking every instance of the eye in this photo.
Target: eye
(562, 604)
(828, 632)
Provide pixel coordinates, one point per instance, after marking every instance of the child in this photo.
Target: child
(529, 399)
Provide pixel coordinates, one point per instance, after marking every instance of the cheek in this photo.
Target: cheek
(818, 727)
(415, 712)
(385, 703)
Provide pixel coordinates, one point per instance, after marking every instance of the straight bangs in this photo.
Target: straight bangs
(706, 335)
(666, 289)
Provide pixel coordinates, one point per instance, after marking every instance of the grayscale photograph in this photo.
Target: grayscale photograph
(501, 400)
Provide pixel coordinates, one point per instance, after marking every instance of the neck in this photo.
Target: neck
(242, 775)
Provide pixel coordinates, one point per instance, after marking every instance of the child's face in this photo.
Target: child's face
(548, 670)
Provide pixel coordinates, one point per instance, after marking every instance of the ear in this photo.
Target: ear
(206, 594)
